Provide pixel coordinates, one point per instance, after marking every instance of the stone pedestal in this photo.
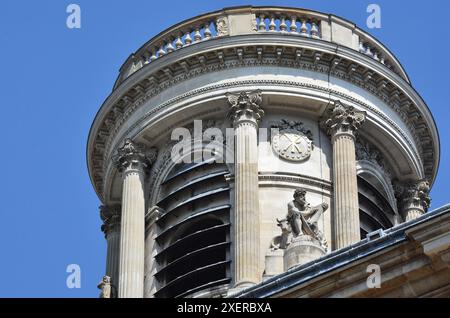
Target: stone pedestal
(274, 263)
(303, 249)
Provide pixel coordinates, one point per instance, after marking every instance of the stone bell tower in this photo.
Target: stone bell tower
(324, 142)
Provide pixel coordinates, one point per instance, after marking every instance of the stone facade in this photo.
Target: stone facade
(316, 104)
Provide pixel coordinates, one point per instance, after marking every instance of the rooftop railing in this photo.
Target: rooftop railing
(259, 20)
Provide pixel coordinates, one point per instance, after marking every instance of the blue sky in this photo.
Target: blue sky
(54, 79)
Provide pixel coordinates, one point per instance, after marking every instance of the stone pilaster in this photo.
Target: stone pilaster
(413, 199)
(132, 161)
(150, 283)
(341, 123)
(245, 115)
(110, 216)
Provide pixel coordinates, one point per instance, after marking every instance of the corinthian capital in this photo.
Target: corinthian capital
(245, 106)
(339, 118)
(134, 155)
(414, 194)
(110, 216)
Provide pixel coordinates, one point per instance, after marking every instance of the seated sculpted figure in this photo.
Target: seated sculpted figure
(302, 219)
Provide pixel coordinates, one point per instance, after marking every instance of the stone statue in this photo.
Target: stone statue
(301, 220)
(105, 287)
(286, 235)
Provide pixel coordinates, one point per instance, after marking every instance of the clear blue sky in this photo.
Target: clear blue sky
(54, 79)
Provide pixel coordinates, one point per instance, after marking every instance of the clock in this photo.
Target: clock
(292, 145)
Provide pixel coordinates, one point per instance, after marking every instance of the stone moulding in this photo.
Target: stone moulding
(337, 94)
(126, 106)
(267, 177)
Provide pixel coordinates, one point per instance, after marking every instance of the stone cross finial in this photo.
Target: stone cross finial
(339, 118)
(132, 154)
(245, 106)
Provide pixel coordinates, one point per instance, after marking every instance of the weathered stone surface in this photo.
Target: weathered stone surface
(303, 249)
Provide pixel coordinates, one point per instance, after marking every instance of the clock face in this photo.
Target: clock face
(292, 145)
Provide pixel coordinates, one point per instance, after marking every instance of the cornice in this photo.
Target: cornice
(265, 178)
(143, 85)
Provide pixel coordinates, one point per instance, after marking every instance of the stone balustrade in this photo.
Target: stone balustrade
(374, 51)
(302, 25)
(258, 21)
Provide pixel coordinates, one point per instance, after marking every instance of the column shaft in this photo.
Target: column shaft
(413, 214)
(112, 257)
(341, 122)
(131, 270)
(245, 114)
(346, 207)
(247, 225)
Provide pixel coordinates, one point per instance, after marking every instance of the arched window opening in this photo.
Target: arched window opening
(375, 210)
(194, 236)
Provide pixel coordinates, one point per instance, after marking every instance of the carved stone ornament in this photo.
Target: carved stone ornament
(105, 287)
(132, 154)
(245, 105)
(301, 220)
(367, 152)
(414, 193)
(340, 118)
(222, 26)
(293, 141)
(110, 216)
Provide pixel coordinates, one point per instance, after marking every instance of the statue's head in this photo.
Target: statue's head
(106, 279)
(300, 196)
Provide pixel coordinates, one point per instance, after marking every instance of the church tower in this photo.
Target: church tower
(246, 142)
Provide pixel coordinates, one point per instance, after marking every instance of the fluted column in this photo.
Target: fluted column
(341, 123)
(150, 282)
(110, 216)
(245, 115)
(132, 160)
(414, 198)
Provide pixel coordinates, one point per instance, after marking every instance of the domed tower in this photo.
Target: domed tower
(243, 142)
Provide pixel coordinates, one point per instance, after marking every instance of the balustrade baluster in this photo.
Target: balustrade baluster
(161, 51)
(178, 42)
(362, 49)
(272, 24)
(187, 39)
(293, 24)
(153, 57)
(262, 23)
(283, 25)
(314, 30)
(303, 28)
(207, 31)
(169, 47)
(197, 35)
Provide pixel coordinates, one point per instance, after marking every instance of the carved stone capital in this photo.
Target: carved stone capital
(367, 152)
(134, 156)
(245, 106)
(413, 195)
(153, 215)
(339, 118)
(110, 216)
